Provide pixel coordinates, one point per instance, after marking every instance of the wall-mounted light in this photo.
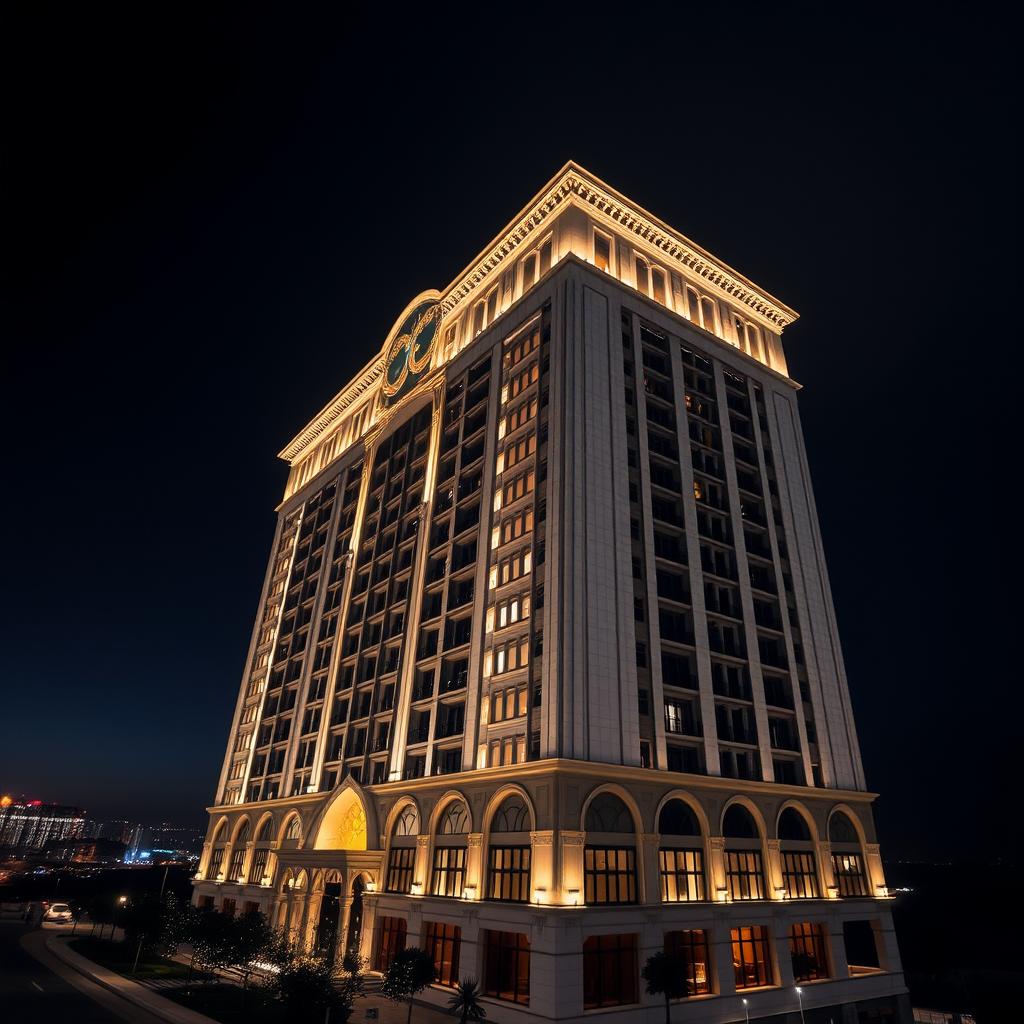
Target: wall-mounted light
(371, 886)
(833, 892)
(417, 888)
(469, 893)
(574, 897)
(780, 892)
(723, 893)
(539, 894)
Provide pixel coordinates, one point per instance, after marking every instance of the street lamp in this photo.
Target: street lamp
(800, 996)
(746, 1010)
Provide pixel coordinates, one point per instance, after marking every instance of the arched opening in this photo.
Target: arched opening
(744, 861)
(293, 829)
(330, 916)
(355, 920)
(847, 856)
(448, 872)
(238, 851)
(215, 866)
(508, 853)
(680, 853)
(799, 864)
(609, 858)
(344, 824)
(402, 850)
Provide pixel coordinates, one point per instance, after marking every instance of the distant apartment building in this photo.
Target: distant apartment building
(30, 824)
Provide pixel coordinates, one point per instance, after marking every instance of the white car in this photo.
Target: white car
(59, 912)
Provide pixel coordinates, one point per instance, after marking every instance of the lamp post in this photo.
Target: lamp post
(800, 996)
(746, 1010)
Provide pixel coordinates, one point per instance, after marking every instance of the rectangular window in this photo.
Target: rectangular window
(690, 947)
(849, 871)
(799, 876)
(682, 875)
(602, 252)
(237, 860)
(609, 971)
(400, 865)
(215, 861)
(506, 973)
(609, 874)
(751, 956)
(744, 874)
(442, 942)
(391, 941)
(807, 951)
(449, 871)
(259, 866)
(508, 876)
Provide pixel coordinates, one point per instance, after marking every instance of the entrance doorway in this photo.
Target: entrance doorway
(355, 919)
(327, 926)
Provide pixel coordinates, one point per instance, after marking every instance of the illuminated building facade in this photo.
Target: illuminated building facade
(545, 675)
(30, 824)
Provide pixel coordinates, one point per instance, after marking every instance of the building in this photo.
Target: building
(83, 851)
(545, 675)
(30, 824)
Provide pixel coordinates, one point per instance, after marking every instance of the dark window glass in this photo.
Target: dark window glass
(690, 948)
(751, 956)
(400, 865)
(609, 971)
(807, 951)
(506, 973)
(391, 941)
(609, 874)
(442, 942)
(509, 874)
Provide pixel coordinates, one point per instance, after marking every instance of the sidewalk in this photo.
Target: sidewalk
(128, 999)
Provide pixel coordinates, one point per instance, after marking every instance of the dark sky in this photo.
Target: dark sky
(210, 224)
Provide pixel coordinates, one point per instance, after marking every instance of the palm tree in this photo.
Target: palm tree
(466, 1002)
(665, 976)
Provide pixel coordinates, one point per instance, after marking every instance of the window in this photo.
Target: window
(449, 871)
(407, 823)
(751, 957)
(609, 971)
(607, 813)
(215, 860)
(509, 874)
(682, 875)
(602, 252)
(391, 941)
(442, 942)
(690, 947)
(744, 874)
(807, 950)
(799, 876)
(506, 973)
(237, 861)
(609, 874)
(848, 869)
(259, 866)
(455, 820)
(400, 865)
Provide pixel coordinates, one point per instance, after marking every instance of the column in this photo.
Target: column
(773, 870)
(780, 934)
(875, 872)
(571, 862)
(721, 956)
(649, 867)
(716, 869)
(473, 887)
(825, 870)
(542, 868)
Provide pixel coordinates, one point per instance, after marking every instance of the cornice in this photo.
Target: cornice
(573, 185)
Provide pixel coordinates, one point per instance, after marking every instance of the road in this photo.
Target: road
(32, 992)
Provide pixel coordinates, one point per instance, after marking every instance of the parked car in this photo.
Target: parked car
(59, 912)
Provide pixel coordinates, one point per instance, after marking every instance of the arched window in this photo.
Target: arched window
(609, 863)
(402, 851)
(799, 868)
(407, 823)
(266, 830)
(680, 853)
(841, 830)
(847, 858)
(238, 852)
(449, 869)
(294, 830)
(455, 820)
(607, 813)
(512, 816)
(508, 856)
(744, 864)
(739, 824)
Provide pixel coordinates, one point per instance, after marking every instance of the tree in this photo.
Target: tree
(665, 975)
(410, 972)
(253, 943)
(465, 1003)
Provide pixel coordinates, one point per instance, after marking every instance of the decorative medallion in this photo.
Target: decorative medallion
(409, 353)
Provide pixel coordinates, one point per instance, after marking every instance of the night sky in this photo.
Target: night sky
(210, 225)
